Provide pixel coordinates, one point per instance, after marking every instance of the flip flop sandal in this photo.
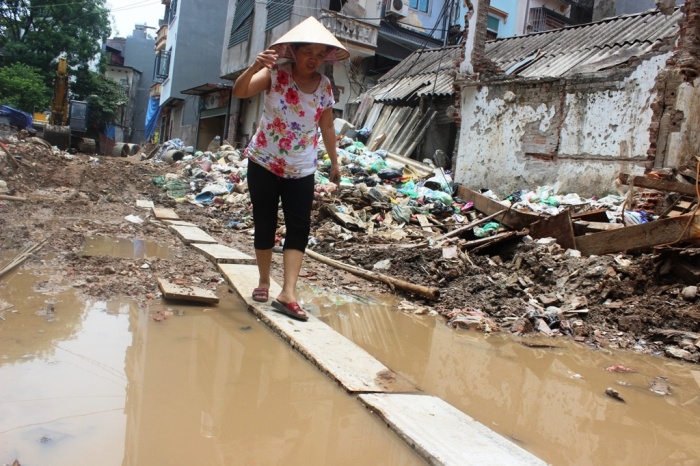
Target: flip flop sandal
(292, 310)
(261, 295)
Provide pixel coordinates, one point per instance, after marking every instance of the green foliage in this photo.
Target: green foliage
(23, 88)
(103, 94)
(36, 32)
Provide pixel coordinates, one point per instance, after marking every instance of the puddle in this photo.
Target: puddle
(105, 383)
(124, 248)
(551, 402)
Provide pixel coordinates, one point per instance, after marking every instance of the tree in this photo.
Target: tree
(103, 95)
(36, 32)
(23, 87)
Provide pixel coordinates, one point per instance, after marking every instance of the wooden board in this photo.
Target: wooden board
(162, 213)
(220, 254)
(179, 222)
(443, 435)
(190, 235)
(512, 218)
(424, 223)
(558, 227)
(663, 231)
(344, 361)
(660, 185)
(186, 293)
(144, 204)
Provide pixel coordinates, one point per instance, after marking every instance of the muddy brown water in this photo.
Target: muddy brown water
(103, 383)
(550, 401)
(123, 248)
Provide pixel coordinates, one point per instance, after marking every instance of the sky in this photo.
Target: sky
(126, 13)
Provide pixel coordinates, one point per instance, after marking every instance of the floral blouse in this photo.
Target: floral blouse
(287, 135)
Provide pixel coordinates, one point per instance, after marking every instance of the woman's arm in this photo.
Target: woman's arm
(257, 77)
(328, 135)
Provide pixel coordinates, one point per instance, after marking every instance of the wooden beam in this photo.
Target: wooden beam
(646, 235)
(514, 219)
(660, 185)
(186, 293)
(557, 227)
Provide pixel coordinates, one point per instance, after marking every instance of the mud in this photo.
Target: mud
(614, 301)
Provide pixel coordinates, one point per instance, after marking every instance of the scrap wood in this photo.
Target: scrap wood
(424, 291)
(658, 184)
(482, 243)
(471, 225)
(670, 333)
(5, 197)
(22, 256)
(187, 293)
(514, 219)
(646, 235)
(558, 227)
(583, 227)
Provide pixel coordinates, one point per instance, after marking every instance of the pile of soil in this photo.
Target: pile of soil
(522, 286)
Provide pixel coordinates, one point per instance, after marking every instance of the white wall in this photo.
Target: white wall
(596, 133)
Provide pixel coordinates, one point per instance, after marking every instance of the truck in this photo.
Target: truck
(68, 119)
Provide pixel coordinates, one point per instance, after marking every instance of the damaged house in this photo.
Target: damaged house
(577, 105)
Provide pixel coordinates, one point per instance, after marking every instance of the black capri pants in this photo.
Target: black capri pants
(297, 194)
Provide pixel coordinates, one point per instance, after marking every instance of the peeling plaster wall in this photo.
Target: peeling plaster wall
(684, 145)
(580, 131)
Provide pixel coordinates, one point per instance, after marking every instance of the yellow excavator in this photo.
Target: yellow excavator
(68, 119)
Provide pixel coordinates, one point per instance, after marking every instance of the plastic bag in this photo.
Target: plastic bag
(489, 229)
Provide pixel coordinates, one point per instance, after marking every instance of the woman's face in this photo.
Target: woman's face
(309, 57)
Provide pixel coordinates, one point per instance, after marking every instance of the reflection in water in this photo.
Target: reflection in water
(124, 248)
(211, 387)
(550, 401)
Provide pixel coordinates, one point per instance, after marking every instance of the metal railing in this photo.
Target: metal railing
(543, 19)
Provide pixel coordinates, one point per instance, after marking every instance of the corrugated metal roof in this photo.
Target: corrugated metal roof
(585, 48)
(424, 72)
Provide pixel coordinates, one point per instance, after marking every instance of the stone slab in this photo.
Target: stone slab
(186, 293)
(220, 254)
(341, 359)
(161, 213)
(190, 235)
(442, 434)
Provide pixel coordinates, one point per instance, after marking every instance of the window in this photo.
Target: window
(162, 67)
(492, 26)
(420, 5)
(242, 22)
(172, 11)
(278, 12)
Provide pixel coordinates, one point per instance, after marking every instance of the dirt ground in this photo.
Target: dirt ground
(642, 302)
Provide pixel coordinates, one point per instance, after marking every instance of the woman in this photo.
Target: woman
(282, 156)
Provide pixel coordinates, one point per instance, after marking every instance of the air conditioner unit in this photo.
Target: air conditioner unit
(398, 8)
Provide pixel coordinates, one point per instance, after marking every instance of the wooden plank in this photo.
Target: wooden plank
(443, 435)
(190, 234)
(220, 254)
(424, 223)
(514, 219)
(344, 361)
(186, 293)
(582, 228)
(660, 185)
(162, 213)
(179, 222)
(663, 231)
(598, 215)
(558, 227)
(145, 204)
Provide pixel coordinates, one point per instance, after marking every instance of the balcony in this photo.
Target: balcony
(161, 37)
(155, 90)
(543, 19)
(350, 29)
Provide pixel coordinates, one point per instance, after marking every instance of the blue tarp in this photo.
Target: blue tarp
(152, 116)
(17, 118)
(110, 131)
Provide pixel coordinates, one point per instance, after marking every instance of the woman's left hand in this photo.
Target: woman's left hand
(335, 174)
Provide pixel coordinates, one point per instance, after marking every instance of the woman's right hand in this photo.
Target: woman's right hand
(265, 59)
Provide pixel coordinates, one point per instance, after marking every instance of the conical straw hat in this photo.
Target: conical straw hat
(310, 31)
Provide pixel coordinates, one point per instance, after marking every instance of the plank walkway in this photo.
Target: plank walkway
(437, 431)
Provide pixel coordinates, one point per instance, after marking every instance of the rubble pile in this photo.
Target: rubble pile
(523, 263)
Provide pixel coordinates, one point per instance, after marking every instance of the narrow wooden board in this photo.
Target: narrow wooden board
(442, 434)
(512, 218)
(220, 254)
(190, 235)
(179, 222)
(186, 293)
(663, 231)
(162, 213)
(341, 359)
(660, 185)
(424, 223)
